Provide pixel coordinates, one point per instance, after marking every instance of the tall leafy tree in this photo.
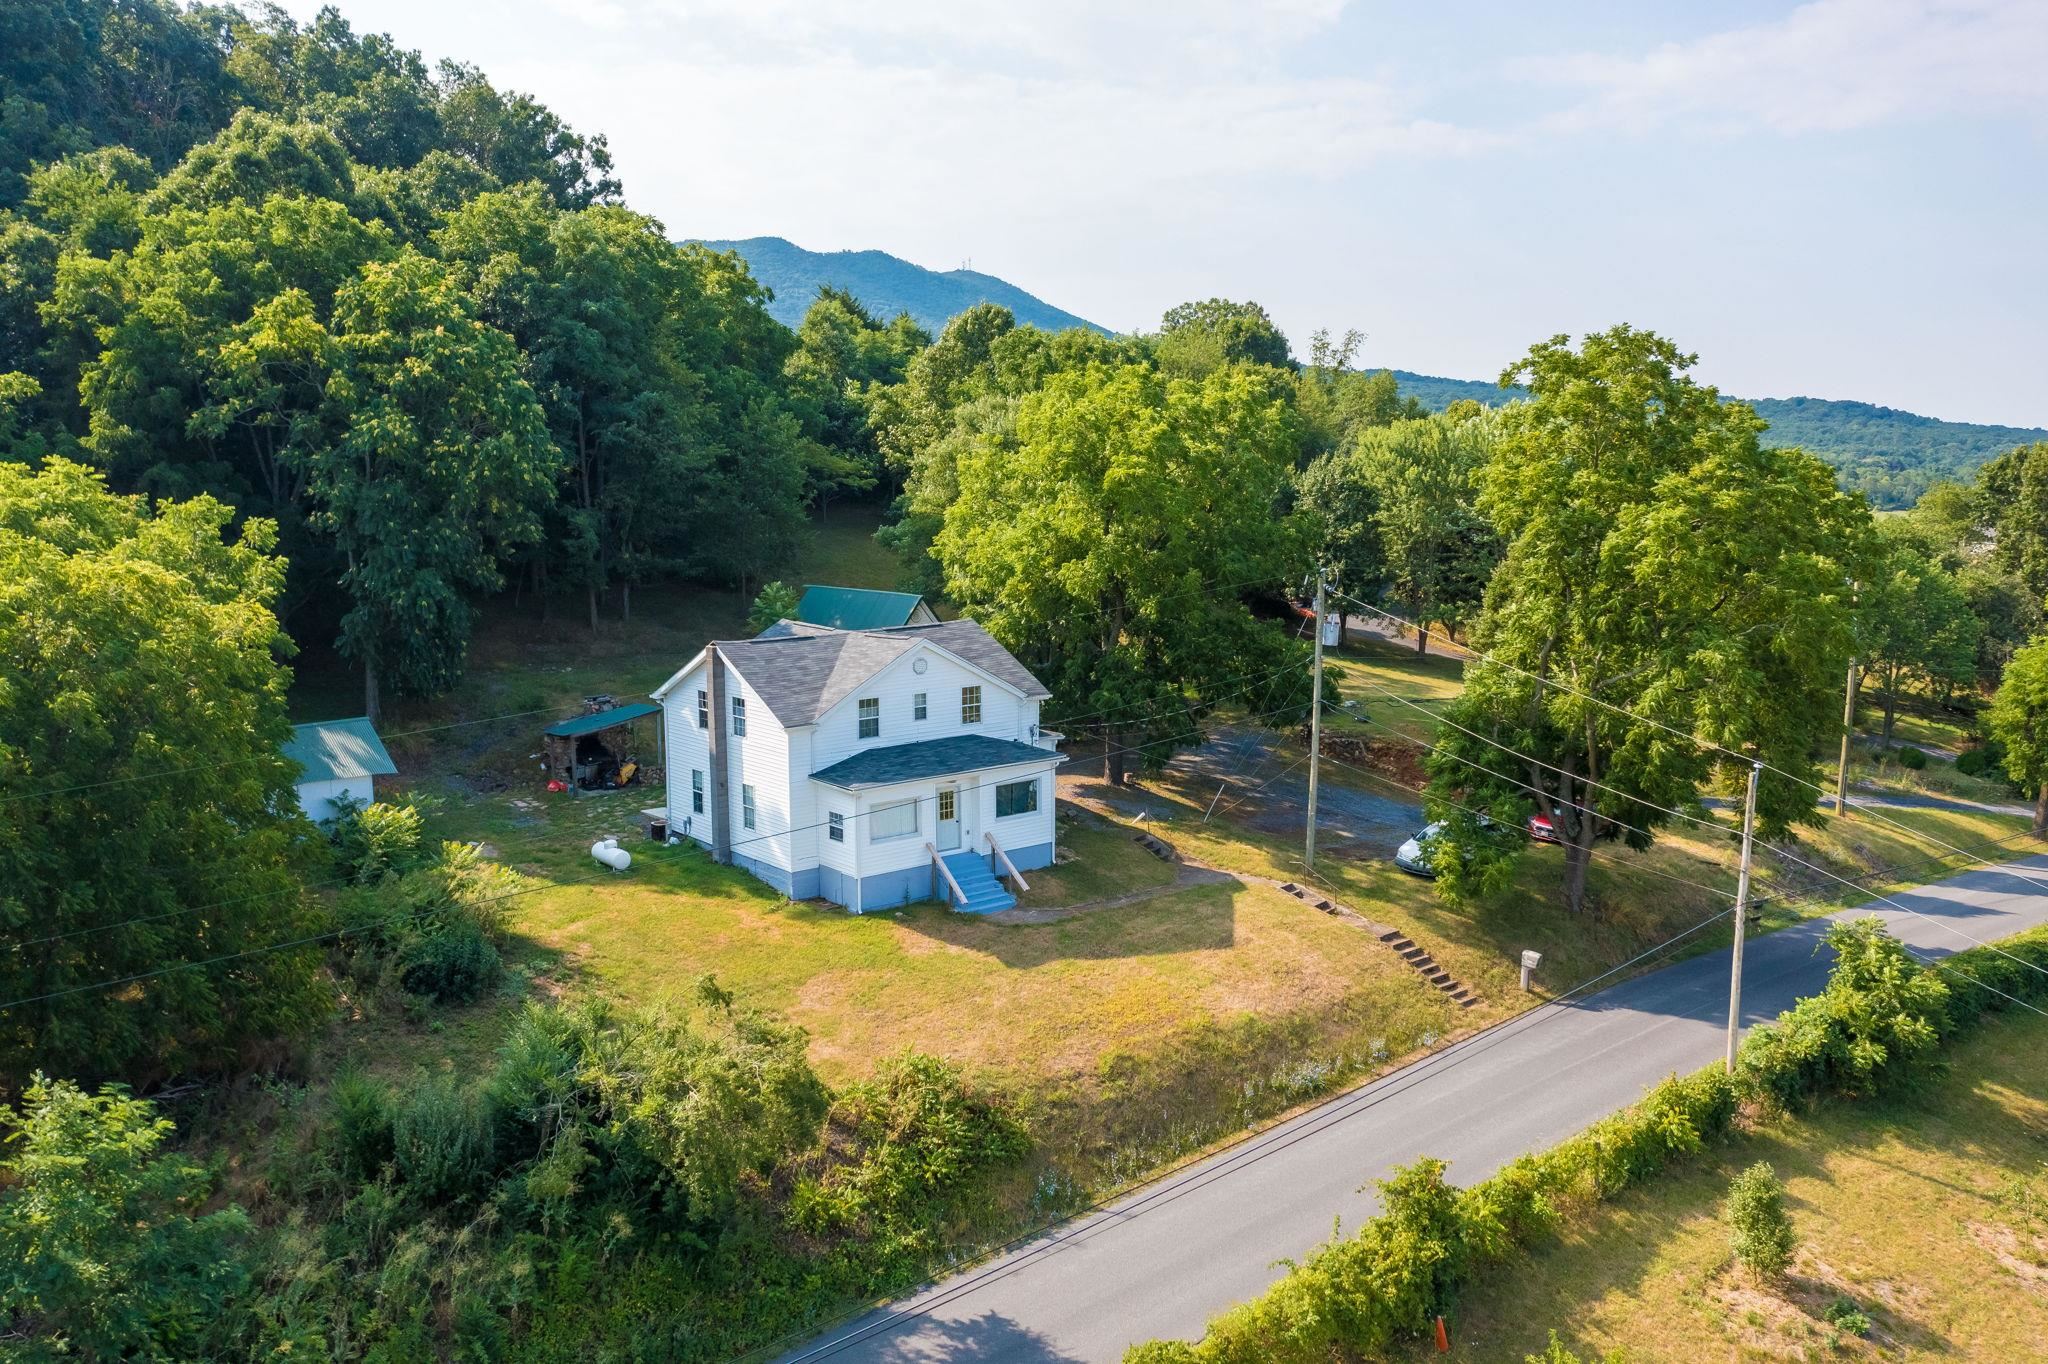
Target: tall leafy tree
(1439, 549)
(1095, 547)
(2018, 719)
(2014, 490)
(1667, 584)
(1913, 623)
(1197, 338)
(843, 355)
(438, 470)
(147, 823)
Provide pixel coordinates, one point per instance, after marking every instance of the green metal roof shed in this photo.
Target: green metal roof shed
(602, 720)
(335, 750)
(861, 608)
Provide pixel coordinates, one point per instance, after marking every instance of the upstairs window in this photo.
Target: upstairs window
(703, 710)
(970, 705)
(917, 706)
(739, 715)
(870, 717)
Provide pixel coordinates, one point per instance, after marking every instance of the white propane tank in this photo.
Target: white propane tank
(611, 854)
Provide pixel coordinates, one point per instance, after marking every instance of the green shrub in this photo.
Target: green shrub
(102, 1254)
(455, 965)
(907, 1144)
(1911, 758)
(361, 1136)
(1978, 760)
(1760, 1231)
(375, 842)
(1875, 1025)
(1844, 1315)
(441, 1143)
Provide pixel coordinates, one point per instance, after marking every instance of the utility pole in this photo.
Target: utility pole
(1848, 728)
(1741, 918)
(1315, 725)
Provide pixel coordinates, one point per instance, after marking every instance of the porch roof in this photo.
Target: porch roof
(931, 758)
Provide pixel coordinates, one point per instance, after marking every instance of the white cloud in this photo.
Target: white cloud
(1829, 66)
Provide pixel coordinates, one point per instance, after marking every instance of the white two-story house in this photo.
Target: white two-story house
(868, 767)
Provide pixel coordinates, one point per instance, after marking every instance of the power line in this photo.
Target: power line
(1695, 819)
(1250, 1148)
(1695, 740)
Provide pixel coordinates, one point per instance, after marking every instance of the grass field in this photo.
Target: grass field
(1930, 1213)
(1150, 1014)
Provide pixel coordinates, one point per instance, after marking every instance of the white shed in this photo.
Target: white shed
(339, 762)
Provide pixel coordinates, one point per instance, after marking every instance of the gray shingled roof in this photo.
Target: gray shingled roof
(930, 758)
(802, 671)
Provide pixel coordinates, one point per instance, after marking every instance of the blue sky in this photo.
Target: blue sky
(1844, 199)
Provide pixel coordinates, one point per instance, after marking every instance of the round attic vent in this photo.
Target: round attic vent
(918, 664)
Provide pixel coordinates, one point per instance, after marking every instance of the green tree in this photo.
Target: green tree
(438, 470)
(2018, 719)
(1760, 1231)
(143, 696)
(516, 138)
(775, 601)
(1913, 623)
(1093, 549)
(1661, 572)
(1195, 339)
(2014, 494)
(104, 1252)
(1338, 509)
(1438, 548)
(843, 355)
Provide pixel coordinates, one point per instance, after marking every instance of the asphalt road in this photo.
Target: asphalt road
(1166, 1258)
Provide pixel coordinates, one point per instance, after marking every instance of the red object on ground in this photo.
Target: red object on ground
(1443, 1338)
(558, 786)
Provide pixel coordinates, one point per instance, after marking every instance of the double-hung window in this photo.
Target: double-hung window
(870, 717)
(703, 710)
(1016, 798)
(970, 705)
(835, 827)
(892, 821)
(918, 710)
(746, 805)
(739, 715)
(696, 791)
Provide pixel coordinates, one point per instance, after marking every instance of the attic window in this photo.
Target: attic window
(703, 710)
(970, 705)
(870, 717)
(739, 715)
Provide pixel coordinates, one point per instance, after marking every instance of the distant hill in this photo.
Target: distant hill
(886, 284)
(1889, 455)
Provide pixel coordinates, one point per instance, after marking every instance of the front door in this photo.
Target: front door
(949, 818)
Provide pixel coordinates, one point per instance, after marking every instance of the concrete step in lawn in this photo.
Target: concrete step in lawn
(985, 894)
(1158, 847)
(1424, 964)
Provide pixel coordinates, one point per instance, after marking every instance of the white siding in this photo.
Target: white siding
(1004, 715)
(977, 817)
(759, 758)
(687, 750)
(317, 798)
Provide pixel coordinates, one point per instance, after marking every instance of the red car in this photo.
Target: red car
(1542, 830)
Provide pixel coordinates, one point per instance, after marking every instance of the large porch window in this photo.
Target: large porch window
(892, 821)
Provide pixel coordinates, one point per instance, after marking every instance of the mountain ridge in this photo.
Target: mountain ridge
(885, 284)
(1887, 453)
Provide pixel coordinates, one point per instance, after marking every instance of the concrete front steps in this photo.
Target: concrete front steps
(985, 894)
(1424, 965)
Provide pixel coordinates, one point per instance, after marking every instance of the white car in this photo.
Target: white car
(1414, 855)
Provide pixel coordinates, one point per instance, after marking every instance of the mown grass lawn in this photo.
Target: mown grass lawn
(1930, 1212)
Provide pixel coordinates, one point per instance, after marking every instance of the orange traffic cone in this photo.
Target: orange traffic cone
(1443, 1338)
